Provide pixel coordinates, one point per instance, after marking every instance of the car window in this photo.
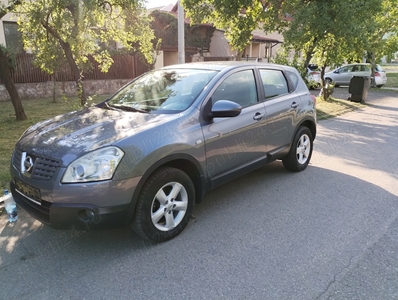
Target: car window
(162, 91)
(240, 87)
(274, 83)
(293, 78)
(378, 68)
(345, 69)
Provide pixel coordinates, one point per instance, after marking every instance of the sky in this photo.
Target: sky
(157, 3)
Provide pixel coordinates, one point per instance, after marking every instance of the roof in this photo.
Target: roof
(261, 39)
(220, 65)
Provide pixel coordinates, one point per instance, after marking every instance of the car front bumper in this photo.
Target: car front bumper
(76, 216)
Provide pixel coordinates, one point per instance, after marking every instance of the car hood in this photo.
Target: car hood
(71, 135)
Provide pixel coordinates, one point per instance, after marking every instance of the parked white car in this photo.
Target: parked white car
(343, 75)
(313, 76)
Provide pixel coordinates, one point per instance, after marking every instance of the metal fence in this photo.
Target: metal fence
(123, 67)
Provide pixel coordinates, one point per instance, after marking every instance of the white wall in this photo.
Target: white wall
(219, 45)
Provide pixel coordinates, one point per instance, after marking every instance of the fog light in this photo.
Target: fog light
(90, 214)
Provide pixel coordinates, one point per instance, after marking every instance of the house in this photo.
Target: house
(9, 34)
(262, 46)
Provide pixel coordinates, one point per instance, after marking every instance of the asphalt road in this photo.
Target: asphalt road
(330, 232)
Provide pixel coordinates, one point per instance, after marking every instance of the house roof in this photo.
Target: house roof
(261, 39)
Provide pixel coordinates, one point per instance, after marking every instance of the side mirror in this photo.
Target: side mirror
(336, 71)
(224, 109)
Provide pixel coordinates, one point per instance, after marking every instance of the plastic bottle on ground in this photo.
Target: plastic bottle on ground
(10, 206)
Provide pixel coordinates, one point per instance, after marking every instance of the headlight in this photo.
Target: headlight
(97, 165)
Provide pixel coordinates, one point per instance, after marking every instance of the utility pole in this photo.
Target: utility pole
(181, 35)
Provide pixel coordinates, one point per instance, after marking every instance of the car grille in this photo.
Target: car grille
(43, 168)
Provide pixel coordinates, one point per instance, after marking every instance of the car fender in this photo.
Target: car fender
(178, 160)
(308, 122)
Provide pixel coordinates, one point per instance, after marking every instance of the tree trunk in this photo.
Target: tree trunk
(9, 84)
(239, 55)
(327, 89)
(308, 55)
(54, 87)
(77, 75)
(372, 74)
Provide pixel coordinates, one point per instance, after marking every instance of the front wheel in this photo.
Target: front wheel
(300, 153)
(165, 205)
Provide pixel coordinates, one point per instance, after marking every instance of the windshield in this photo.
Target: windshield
(162, 91)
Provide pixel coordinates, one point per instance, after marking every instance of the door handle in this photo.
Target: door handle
(258, 116)
(294, 105)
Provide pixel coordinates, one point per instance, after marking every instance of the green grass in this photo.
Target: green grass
(36, 110)
(392, 80)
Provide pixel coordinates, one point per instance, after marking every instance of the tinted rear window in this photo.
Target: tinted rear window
(274, 82)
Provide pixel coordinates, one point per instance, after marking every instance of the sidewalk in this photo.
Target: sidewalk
(373, 94)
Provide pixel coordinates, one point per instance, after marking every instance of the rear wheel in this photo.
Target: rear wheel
(300, 153)
(165, 205)
(328, 80)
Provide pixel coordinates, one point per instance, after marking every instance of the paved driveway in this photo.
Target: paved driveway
(330, 231)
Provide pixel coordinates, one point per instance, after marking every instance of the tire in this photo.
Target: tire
(329, 81)
(300, 153)
(379, 86)
(164, 206)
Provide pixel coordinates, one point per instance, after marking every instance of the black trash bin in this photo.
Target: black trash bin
(359, 86)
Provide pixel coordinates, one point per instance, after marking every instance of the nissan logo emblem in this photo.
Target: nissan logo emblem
(28, 164)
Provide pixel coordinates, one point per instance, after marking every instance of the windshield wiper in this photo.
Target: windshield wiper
(107, 106)
(126, 108)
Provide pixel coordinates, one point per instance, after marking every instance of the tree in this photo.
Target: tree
(238, 18)
(75, 30)
(381, 36)
(5, 61)
(329, 32)
(392, 45)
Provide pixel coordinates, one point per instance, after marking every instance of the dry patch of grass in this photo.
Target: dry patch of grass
(334, 107)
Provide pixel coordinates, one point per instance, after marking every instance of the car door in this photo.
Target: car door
(361, 70)
(234, 144)
(280, 107)
(344, 76)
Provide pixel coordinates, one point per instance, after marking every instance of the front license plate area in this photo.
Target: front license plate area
(28, 191)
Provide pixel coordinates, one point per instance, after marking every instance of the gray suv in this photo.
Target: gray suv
(145, 155)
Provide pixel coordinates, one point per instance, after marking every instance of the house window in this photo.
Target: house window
(13, 37)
